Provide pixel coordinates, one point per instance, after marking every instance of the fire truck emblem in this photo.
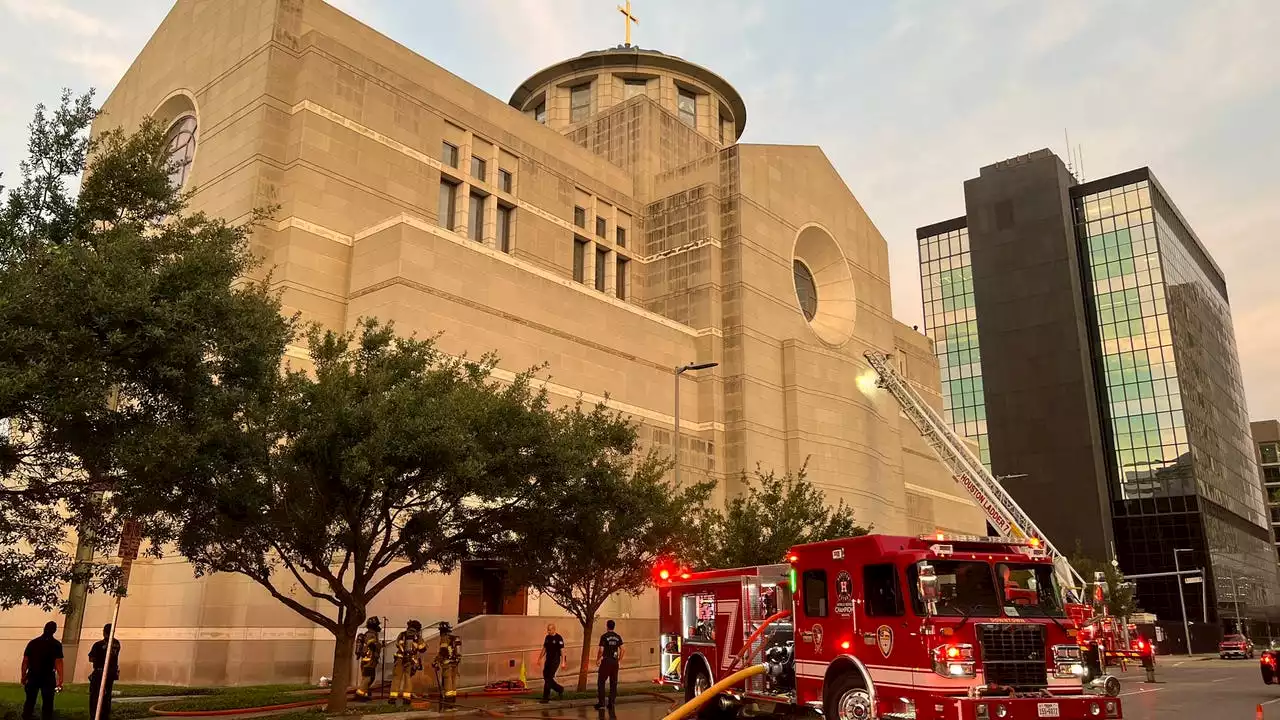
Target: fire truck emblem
(817, 639)
(844, 594)
(884, 639)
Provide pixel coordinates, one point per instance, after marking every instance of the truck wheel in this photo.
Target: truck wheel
(699, 681)
(848, 699)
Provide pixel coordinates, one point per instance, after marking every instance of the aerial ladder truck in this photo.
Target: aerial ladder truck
(1009, 519)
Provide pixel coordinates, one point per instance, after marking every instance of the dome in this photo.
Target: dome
(671, 78)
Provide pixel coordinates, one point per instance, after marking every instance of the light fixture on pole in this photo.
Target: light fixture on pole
(676, 435)
(1186, 626)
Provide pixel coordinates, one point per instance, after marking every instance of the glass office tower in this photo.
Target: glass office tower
(1108, 378)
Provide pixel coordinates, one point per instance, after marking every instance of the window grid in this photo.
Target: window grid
(946, 279)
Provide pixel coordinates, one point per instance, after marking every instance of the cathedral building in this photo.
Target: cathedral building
(604, 219)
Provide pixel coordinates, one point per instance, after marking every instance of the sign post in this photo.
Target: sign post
(130, 539)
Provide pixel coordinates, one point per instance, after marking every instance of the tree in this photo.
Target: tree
(127, 346)
(606, 520)
(775, 514)
(1120, 596)
(391, 458)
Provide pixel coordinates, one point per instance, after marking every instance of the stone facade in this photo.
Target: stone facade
(625, 234)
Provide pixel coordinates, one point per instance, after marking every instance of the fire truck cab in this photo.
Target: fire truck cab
(902, 628)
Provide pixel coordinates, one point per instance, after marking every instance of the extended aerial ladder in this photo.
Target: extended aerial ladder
(1005, 515)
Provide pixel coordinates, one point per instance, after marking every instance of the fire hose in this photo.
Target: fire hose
(712, 692)
(747, 651)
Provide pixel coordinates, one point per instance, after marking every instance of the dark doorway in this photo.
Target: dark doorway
(483, 590)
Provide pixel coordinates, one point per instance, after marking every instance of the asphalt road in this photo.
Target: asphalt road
(1212, 689)
(1184, 690)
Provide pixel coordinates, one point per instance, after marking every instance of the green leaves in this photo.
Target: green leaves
(130, 347)
(1121, 601)
(775, 513)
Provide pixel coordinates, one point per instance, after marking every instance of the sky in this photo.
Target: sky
(907, 98)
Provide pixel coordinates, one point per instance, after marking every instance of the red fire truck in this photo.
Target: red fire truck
(944, 627)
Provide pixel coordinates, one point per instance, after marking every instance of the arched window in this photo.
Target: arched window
(806, 290)
(181, 141)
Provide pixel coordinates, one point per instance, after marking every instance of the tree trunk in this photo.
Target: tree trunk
(587, 627)
(344, 648)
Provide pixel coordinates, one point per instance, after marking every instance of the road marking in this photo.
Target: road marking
(1221, 680)
(1271, 701)
(1150, 690)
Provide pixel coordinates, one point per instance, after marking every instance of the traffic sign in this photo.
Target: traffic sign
(130, 540)
(1192, 580)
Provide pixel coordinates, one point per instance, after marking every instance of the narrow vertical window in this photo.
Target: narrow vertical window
(504, 228)
(580, 103)
(688, 106)
(602, 260)
(478, 166)
(449, 154)
(579, 260)
(622, 237)
(602, 227)
(506, 181)
(620, 282)
(448, 204)
(580, 217)
(540, 113)
(475, 219)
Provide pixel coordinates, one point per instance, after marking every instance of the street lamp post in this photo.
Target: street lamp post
(676, 436)
(1186, 626)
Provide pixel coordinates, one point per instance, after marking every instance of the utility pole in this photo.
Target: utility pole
(1182, 600)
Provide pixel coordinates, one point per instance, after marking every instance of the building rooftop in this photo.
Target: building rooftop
(637, 57)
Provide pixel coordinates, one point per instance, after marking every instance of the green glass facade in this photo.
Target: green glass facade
(1183, 473)
(946, 280)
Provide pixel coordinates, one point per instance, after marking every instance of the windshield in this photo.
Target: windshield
(964, 589)
(1029, 590)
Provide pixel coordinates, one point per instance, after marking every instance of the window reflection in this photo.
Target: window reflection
(946, 278)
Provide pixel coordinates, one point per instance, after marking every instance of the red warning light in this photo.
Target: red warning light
(793, 557)
(684, 576)
(664, 574)
(845, 645)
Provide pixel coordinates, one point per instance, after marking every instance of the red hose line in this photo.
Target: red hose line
(746, 647)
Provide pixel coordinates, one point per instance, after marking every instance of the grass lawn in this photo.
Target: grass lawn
(73, 702)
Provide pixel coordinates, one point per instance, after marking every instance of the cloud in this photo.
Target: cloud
(55, 12)
(104, 69)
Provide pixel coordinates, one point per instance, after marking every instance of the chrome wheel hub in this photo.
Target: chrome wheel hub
(855, 705)
(700, 685)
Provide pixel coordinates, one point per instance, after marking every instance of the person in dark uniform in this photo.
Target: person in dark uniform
(551, 655)
(42, 673)
(608, 660)
(97, 655)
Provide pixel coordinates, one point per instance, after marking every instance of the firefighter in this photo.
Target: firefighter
(408, 661)
(446, 662)
(608, 660)
(369, 651)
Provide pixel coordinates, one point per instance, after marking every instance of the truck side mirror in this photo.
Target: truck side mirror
(927, 585)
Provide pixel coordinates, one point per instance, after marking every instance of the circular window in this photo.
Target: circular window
(820, 269)
(181, 143)
(806, 290)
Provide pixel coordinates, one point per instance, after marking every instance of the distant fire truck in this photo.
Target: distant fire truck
(940, 626)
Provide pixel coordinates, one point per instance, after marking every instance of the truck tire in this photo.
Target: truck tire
(848, 699)
(698, 682)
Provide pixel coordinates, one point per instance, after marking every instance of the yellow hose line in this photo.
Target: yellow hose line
(692, 706)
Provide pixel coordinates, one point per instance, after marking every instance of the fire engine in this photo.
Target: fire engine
(956, 627)
(952, 627)
(1117, 642)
